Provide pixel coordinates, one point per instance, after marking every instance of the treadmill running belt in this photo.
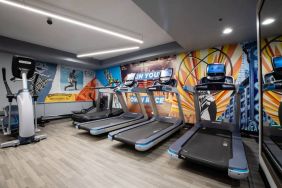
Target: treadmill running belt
(96, 114)
(90, 116)
(115, 120)
(133, 135)
(209, 146)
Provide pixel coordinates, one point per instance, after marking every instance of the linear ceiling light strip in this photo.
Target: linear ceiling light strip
(69, 20)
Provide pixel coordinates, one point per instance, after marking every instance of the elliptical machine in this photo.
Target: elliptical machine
(22, 68)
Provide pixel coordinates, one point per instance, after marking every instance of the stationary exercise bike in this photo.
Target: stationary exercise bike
(22, 68)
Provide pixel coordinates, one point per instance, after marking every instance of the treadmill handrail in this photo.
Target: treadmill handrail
(189, 89)
(238, 160)
(135, 89)
(232, 86)
(272, 86)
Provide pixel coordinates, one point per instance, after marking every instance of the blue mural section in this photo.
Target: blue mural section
(47, 72)
(109, 75)
(248, 90)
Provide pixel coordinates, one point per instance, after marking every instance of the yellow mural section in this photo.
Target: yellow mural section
(60, 97)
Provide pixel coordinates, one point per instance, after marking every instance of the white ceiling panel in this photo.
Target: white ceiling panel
(122, 16)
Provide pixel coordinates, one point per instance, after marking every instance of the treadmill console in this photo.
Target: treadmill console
(165, 76)
(215, 72)
(130, 80)
(128, 83)
(165, 81)
(216, 79)
(273, 80)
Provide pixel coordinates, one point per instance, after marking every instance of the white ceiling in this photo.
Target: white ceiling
(195, 24)
(119, 15)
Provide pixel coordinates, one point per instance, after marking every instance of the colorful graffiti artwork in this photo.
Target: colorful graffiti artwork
(192, 67)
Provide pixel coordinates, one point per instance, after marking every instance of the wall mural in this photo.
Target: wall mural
(107, 76)
(59, 83)
(192, 67)
(147, 73)
(189, 68)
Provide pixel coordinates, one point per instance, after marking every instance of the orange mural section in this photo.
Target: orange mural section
(88, 92)
(191, 67)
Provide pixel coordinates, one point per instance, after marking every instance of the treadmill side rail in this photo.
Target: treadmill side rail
(175, 148)
(238, 165)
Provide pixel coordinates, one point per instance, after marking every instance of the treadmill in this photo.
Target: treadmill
(126, 118)
(212, 143)
(100, 113)
(144, 136)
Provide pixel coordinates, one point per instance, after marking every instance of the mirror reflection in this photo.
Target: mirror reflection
(271, 59)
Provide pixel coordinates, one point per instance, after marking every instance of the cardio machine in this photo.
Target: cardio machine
(10, 121)
(22, 68)
(127, 118)
(212, 143)
(144, 136)
(100, 113)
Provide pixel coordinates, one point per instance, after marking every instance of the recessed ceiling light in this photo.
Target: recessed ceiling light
(107, 51)
(268, 21)
(69, 20)
(227, 30)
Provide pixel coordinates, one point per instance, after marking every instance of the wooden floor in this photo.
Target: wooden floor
(72, 158)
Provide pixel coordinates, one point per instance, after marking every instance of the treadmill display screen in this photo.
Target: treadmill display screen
(166, 73)
(277, 62)
(215, 68)
(130, 76)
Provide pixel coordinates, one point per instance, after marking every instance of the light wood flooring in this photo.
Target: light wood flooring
(73, 158)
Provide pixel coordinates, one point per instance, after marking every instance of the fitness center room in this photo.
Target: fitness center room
(140, 93)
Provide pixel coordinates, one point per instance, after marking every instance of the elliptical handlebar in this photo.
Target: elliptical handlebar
(9, 92)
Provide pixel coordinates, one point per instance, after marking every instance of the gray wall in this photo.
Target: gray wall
(43, 109)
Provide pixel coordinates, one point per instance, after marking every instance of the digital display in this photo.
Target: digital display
(130, 76)
(277, 62)
(215, 68)
(166, 73)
